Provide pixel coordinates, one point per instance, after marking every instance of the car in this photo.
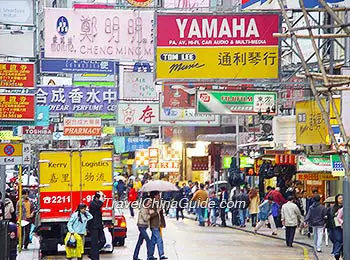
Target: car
(119, 231)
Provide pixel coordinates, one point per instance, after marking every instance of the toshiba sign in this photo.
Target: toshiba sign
(82, 126)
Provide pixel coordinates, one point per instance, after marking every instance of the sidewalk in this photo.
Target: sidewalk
(32, 252)
(324, 255)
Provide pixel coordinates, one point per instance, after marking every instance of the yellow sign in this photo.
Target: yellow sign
(55, 171)
(85, 170)
(229, 62)
(310, 126)
(108, 130)
(316, 177)
(9, 150)
(8, 136)
(96, 170)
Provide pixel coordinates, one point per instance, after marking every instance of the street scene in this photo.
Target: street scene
(174, 129)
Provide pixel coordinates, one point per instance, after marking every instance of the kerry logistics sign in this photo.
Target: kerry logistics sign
(225, 46)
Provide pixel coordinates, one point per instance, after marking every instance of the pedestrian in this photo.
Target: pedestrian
(120, 189)
(291, 218)
(77, 228)
(243, 204)
(265, 214)
(214, 203)
(132, 197)
(337, 231)
(316, 218)
(143, 223)
(167, 197)
(311, 201)
(200, 198)
(254, 201)
(28, 215)
(223, 205)
(157, 222)
(8, 207)
(96, 226)
(179, 197)
(137, 184)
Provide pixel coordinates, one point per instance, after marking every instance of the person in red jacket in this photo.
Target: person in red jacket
(277, 197)
(132, 197)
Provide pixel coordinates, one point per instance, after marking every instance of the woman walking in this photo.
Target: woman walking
(77, 229)
(254, 200)
(337, 231)
(265, 213)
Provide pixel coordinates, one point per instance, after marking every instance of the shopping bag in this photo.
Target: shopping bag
(205, 214)
(172, 212)
(108, 246)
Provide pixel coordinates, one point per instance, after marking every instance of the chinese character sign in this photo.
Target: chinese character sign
(74, 126)
(310, 126)
(17, 107)
(98, 34)
(17, 75)
(78, 99)
(134, 143)
(217, 46)
(78, 66)
(137, 114)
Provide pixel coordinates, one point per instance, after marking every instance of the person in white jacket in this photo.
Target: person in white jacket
(9, 208)
(291, 217)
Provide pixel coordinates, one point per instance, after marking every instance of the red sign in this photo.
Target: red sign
(38, 130)
(17, 75)
(182, 95)
(200, 163)
(285, 159)
(17, 107)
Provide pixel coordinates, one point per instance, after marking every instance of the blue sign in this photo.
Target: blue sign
(134, 143)
(62, 25)
(123, 130)
(119, 144)
(78, 66)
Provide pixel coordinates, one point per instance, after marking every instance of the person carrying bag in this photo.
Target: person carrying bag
(75, 238)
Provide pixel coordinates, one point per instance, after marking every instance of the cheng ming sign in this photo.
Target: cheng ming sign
(17, 107)
(217, 46)
(82, 126)
(99, 34)
(17, 75)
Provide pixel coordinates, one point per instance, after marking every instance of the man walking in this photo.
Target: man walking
(95, 226)
(316, 218)
(243, 204)
(223, 205)
(291, 217)
(201, 198)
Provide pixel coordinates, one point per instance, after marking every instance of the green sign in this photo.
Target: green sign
(226, 162)
(246, 162)
(94, 83)
(236, 102)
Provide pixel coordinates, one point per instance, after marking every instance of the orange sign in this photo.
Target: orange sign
(17, 107)
(17, 75)
(316, 177)
(82, 127)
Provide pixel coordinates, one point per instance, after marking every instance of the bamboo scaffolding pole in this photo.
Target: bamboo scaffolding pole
(334, 16)
(320, 27)
(316, 36)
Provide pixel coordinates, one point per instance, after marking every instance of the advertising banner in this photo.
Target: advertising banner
(186, 4)
(134, 143)
(316, 177)
(17, 75)
(236, 102)
(56, 81)
(70, 99)
(164, 166)
(38, 132)
(19, 12)
(139, 85)
(17, 107)
(337, 166)
(77, 66)
(18, 49)
(217, 46)
(99, 34)
(310, 126)
(185, 114)
(314, 163)
(147, 114)
(73, 126)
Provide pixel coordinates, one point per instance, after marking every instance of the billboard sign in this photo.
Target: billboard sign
(225, 46)
(73, 126)
(184, 114)
(314, 163)
(139, 85)
(17, 75)
(19, 12)
(99, 34)
(38, 132)
(236, 102)
(16, 40)
(134, 143)
(17, 107)
(70, 99)
(56, 81)
(77, 66)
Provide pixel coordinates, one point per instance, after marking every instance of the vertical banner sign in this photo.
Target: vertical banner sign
(99, 34)
(337, 166)
(17, 107)
(17, 75)
(236, 102)
(229, 46)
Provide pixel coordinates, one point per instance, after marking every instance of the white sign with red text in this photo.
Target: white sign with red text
(82, 126)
